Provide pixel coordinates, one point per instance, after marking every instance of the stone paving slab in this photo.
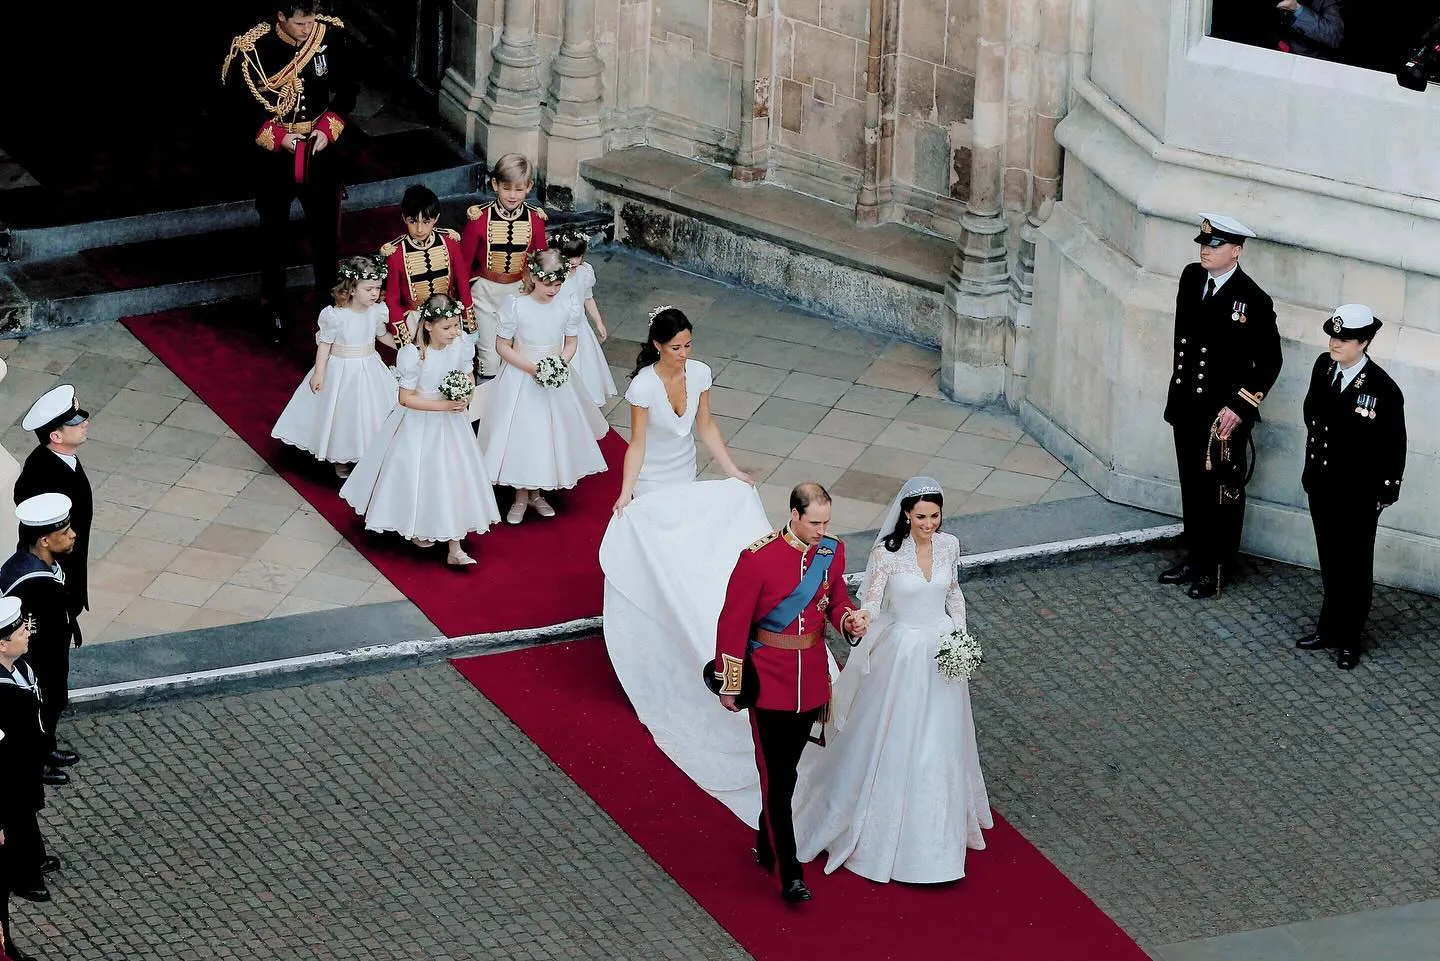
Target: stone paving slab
(1178, 760)
(1407, 933)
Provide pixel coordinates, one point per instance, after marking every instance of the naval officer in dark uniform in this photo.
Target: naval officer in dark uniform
(1227, 356)
(291, 86)
(1354, 460)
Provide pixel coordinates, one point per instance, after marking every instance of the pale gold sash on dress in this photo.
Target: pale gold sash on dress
(351, 353)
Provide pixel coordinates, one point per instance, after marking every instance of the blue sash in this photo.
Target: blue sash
(788, 609)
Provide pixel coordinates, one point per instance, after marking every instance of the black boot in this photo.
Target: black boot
(1181, 573)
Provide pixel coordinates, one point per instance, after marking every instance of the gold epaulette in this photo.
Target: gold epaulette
(538, 210)
(333, 21)
(243, 44)
(387, 249)
(450, 232)
(476, 211)
(764, 540)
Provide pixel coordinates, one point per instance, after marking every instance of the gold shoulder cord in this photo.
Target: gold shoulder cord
(287, 85)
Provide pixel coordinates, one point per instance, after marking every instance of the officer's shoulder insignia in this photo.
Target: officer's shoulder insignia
(245, 43)
(539, 211)
(389, 248)
(333, 21)
(450, 232)
(764, 540)
(475, 211)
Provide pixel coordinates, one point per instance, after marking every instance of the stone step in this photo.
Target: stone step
(103, 284)
(394, 162)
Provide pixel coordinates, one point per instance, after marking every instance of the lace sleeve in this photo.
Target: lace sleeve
(875, 577)
(954, 597)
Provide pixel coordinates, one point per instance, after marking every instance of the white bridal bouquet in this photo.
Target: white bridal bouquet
(551, 372)
(959, 656)
(456, 385)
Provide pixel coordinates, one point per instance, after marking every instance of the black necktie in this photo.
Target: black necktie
(1209, 288)
(1337, 384)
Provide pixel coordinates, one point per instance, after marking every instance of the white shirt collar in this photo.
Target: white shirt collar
(1220, 281)
(1346, 376)
(69, 459)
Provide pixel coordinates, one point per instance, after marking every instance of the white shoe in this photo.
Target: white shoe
(342, 471)
(459, 559)
(541, 505)
(517, 512)
(422, 542)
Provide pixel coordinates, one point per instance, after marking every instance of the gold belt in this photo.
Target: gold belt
(304, 128)
(496, 278)
(788, 642)
(342, 350)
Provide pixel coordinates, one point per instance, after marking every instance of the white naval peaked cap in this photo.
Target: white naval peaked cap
(44, 510)
(1352, 322)
(1216, 229)
(10, 615)
(51, 406)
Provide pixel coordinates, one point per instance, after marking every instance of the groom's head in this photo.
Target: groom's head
(809, 512)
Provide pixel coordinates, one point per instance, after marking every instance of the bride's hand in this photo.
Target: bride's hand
(859, 622)
(621, 504)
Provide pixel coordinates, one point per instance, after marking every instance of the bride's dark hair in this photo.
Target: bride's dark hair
(895, 538)
(664, 327)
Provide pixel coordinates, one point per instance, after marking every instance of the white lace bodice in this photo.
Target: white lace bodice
(895, 584)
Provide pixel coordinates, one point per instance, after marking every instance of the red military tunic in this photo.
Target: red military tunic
(767, 571)
(416, 274)
(495, 242)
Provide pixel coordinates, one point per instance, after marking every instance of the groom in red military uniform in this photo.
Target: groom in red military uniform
(783, 588)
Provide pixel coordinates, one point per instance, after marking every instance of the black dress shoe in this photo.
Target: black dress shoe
(1313, 642)
(62, 758)
(1348, 659)
(1203, 586)
(766, 861)
(795, 892)
(34, 894)
(49, 864)
(275, 330)
(54, 777)
(1181, 573)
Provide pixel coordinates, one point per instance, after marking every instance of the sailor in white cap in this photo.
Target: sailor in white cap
(1226, 357)
(22, 752)
(61, 426)
(35, 576)
(1354, 460)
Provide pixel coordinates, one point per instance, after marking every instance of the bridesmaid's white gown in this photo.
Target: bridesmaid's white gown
(667, 560)
(9, 474)
(898, 793)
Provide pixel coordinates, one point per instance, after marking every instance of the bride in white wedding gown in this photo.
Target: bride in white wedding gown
(898, 793)
(667, 557)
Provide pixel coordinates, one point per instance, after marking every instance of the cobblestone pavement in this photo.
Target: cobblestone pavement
(1179, 760)
(386, 817)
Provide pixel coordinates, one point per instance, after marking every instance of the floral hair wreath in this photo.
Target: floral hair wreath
(657, 311)
(374, 269)
(433, 312)
(543, 276)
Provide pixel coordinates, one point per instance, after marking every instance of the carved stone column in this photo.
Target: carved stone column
(752, 156)
(972, 346)
(571, 117)
(462, 88)
(509, 115)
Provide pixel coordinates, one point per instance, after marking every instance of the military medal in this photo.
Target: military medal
(1239, 312)
(322, 66)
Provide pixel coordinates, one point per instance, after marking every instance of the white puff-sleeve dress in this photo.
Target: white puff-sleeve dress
(337, 423)
(423, 475)
(541, 438)
(588, 365)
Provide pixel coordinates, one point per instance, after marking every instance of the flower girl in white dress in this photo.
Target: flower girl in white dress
(898, 793)
(344, 398)
(667, 557)
(589, 364)
(423, 476)
(534, 437)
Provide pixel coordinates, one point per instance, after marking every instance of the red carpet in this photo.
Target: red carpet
(1014, 905)
(538, 573)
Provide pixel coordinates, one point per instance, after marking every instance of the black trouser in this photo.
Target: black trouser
(52, 674)
(24, 849)
(1345, 539)
(780, 738)
(320, 198)
(1213, 500)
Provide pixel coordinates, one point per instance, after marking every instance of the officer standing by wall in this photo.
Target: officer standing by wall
(1354, 460)
(1227, 356)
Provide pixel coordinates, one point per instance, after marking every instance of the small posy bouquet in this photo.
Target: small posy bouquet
(456, 385)
(959, 656)
(551, 372)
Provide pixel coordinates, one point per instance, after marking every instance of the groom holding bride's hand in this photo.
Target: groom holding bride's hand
(783, 588)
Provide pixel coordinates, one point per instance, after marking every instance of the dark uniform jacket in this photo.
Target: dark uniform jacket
(22, 748)
(42, 595)
(275, 85)
(45, 473)
(1355, 440)
(1227, 349)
